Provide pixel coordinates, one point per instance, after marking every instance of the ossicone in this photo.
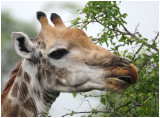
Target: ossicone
(41, 16)
(56, 20)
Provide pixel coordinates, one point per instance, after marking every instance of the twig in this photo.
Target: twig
(81, 112)
(97, 20)
(137, 52)
(133, 35)
(155, 39)
(130, 109)
(133, 114)
(120, 107)
(143, 45)
(136, 29)
(147, 58)
(86, 101)
(87, 23)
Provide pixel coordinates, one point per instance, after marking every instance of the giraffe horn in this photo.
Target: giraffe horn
(56, 20)
(42, 18)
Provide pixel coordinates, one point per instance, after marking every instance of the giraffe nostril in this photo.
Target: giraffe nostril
(125, 78)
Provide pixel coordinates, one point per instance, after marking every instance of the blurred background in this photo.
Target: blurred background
(21, 16)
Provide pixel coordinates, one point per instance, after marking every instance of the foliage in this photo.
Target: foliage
(141, 99)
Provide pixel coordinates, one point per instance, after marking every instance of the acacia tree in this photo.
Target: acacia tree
(141, 99)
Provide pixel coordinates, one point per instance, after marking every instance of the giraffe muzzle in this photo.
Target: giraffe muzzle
(130, 76)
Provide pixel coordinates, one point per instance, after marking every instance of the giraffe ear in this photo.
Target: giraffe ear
(22, 44)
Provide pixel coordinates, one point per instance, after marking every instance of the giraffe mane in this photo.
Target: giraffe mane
(10, 82)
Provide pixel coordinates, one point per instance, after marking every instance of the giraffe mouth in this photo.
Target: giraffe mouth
(125, 78)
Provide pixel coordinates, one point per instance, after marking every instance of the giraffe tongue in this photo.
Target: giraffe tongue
(125, 78)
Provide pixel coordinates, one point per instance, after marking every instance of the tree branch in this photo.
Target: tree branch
(120, 107)
(133, 35)
(130, 109)
(147, 58)
(137, 53)
(84, 112)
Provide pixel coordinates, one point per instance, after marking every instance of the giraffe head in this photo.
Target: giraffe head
(67, 60)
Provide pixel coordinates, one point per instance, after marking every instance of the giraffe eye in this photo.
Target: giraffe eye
(57, 54)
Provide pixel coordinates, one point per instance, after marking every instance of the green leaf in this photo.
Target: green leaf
(46, 112)
(102, 100)
(85, 95)
(74, 94)
(94, 111)
(73, 112)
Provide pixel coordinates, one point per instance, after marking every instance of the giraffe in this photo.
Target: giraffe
(60, 59)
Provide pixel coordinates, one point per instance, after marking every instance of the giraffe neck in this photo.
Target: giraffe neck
(28, 97)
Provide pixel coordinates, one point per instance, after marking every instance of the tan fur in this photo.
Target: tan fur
(15, 90)
(74, 37)
(58, 22)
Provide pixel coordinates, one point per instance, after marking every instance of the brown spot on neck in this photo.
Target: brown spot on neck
(9, 110)
(23, 91)
(27, 78)
(30, 105)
